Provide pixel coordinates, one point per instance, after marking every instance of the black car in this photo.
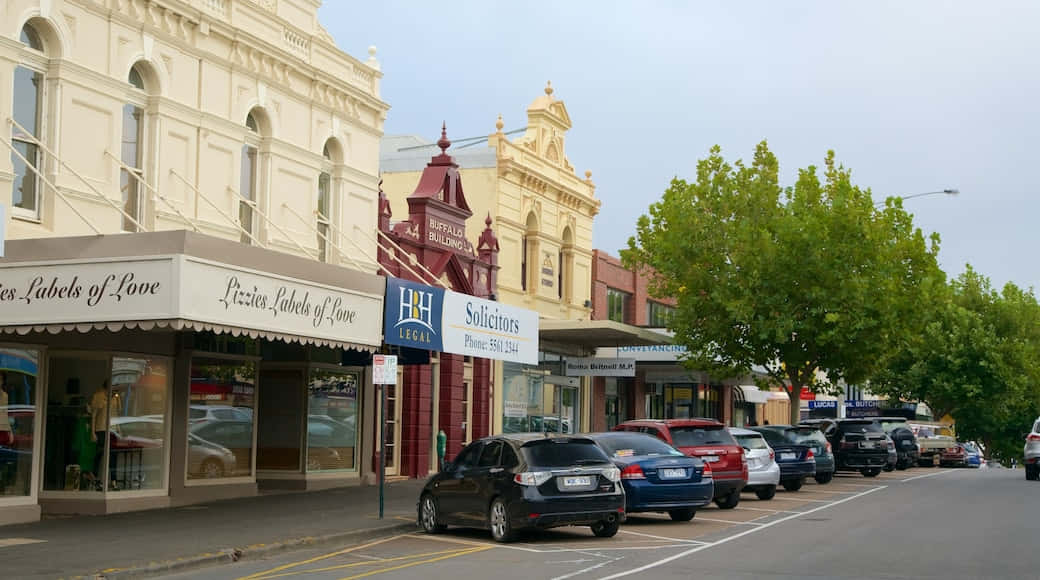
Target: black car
(904, 439)
(525, 480)
(859, 445)
(797, 461)
(810, 434)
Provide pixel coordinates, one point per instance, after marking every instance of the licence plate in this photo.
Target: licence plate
(577, 481)
(788, 456)
(673, 473)
(710, 458)
(866, 445)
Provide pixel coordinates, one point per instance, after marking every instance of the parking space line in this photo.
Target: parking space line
(925, 475)
(371, 562)
(660, 537)
(258, 575)
(765, 510)
(696, 549)
(729, 522)
(778, 498)
(584, 570)
(411, 564)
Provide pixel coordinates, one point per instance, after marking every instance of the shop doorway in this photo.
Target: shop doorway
(617, 408)
(392, 426)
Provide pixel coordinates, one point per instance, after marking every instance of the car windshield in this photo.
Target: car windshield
(805, 436)
(751, 441)
(557, 452)
(631, 445)
(695, 436)
(860, 427)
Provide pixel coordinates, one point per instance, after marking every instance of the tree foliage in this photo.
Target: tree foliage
(976, 359)
(812, 277)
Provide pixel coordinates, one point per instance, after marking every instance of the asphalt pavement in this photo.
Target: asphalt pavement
(919, 523)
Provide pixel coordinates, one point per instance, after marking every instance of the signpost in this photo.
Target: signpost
(384, 372)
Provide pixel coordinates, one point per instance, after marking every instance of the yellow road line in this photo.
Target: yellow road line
(258, 575)
(410, 564)
(453, 540)
(375, 562)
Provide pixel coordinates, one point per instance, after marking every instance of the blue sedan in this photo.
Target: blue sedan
(656, 476)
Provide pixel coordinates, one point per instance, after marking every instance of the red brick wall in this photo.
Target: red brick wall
(607, 272)
(416, 402)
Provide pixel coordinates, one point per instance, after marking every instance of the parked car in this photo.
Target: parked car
(708, 440)
(763, 472)
(1031, 452)
(893, 457)
(907, 449)
(859, 445)
(656, 476)
(823, 451)
(974, 454)
(933, 439)
(797, 461)
(203, 413)
(525, 480)
(954, 456)
(207, 459)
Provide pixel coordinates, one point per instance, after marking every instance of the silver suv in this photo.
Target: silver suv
(1032, 453)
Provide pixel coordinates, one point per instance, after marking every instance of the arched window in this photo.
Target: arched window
(28, 115)
(324, 221)
(563, 265)
(529, 254)
(248, 182)
(131, 151)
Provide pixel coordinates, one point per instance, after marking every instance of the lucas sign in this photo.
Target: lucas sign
(421, 316)
(601, 367)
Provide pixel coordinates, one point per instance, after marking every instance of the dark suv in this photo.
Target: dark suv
(525, 480)
(708, 440)
(859, 444)
(905, 440)
(811, 437)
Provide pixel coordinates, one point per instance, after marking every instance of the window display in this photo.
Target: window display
(332, 420)
(18, 371)
(221, 418)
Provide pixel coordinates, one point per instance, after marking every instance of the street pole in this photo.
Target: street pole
(382, 446)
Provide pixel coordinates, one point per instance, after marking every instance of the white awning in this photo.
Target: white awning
(753, 394)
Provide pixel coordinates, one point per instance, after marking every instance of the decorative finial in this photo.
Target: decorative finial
(588, 175)
(499, 124)
(548, 88)
(372, 51)
(487, 221)
(372, 61)
(443, 142)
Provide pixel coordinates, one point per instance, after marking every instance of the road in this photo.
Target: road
(920, 523)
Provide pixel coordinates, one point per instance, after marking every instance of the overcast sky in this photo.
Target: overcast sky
(913, 96)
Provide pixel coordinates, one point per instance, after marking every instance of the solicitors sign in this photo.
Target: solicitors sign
(442, 320)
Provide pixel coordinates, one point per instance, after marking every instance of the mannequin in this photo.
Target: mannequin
(101, 407)
(6, 438)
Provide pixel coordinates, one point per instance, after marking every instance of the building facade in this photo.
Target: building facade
(195, 186)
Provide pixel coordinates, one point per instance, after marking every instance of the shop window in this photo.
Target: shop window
(132, 172)
(332, 420)
(18, 371)
(27, 113)
(323, 226)
(530, 404)
(248, 178)
(106, 424)
(221, 418)
(657, 314)
(617, 305)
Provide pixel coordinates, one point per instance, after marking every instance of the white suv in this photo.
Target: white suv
(1032, 453)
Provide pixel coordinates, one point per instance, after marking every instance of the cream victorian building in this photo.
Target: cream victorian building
(543, 215)
(210, 154)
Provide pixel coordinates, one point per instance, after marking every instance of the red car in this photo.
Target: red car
(956, 456)
(708, 440)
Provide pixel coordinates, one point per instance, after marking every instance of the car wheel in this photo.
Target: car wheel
(428, 520)
(902, 465)
(1032, 474)
(766, 493)
(824, 478)
(890, 467)
(728, 501)
(498, 517)
(793, 484)
(683, 515)
(871, 472)
(211, 469)
(607, 529)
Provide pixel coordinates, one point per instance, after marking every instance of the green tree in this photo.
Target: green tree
(977, 358)
(806, 281)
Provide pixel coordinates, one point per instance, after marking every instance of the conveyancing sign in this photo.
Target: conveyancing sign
(601, 367)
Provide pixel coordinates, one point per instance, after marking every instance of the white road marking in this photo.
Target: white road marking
(581, 561)
(584, 570)
(800, 499)
(729, 522)
(738, 535)
(5, 542)
(667, 539)
(925, 475)
(765, 510)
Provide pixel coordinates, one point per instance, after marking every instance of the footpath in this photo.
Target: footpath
(156, 542)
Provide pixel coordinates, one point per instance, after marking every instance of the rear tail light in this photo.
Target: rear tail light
(534, 478)
(633, 472)
(848, 444)
(891, 444)
(829, 448)
(706, 473)
(1033, 437)
(811, 455)
(612, 473)
(772, 455)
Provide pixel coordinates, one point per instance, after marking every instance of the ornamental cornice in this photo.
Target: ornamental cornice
(536, 181)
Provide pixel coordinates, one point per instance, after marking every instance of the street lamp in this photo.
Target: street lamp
(905, 197)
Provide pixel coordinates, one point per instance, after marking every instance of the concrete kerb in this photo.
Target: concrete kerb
(253, 552)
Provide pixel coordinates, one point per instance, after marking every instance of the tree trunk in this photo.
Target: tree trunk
(795, 396)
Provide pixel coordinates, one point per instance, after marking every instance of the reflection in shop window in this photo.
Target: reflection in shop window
(221, 419)
(332, 426)
(18, 370)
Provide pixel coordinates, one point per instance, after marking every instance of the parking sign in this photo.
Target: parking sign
(384, 369)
